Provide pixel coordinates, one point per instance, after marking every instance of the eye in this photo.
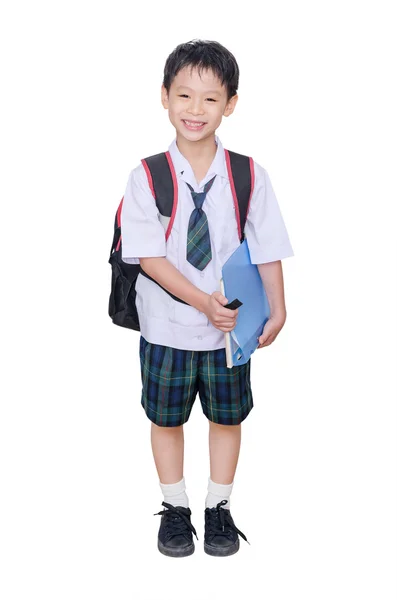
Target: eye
(212, 99)
(183, 96)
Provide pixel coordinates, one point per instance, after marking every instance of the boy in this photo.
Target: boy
(182, 346)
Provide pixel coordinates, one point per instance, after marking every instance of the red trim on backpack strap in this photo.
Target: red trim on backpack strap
(149, 176)
(231, 181)
(175, 203)
(119, 212)
(252, 170)
(119, 221)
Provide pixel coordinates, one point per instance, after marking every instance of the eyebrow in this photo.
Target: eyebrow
(206, 92)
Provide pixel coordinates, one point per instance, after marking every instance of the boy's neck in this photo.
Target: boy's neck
(200, 154)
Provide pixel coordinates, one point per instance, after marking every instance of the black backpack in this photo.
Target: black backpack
(163, 184)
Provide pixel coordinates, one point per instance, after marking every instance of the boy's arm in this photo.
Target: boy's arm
(268, 243)
(272, 277)
(164, 272)
(144, 236)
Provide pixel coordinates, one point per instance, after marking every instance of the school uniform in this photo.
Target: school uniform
(181, 352)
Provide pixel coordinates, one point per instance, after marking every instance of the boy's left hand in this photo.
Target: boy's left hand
(271, 330)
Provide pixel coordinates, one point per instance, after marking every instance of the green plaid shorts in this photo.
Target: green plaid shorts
(172, 377)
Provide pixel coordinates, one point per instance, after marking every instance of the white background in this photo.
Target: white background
(315, 488)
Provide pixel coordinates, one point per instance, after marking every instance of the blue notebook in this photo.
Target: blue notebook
(241, 279)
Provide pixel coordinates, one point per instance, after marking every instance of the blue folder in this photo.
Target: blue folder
(241, 279)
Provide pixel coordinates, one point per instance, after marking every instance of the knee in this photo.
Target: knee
(172, 430)
(220, 427)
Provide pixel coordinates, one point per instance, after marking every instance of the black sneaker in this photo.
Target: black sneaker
(221, 534)
(175, 533)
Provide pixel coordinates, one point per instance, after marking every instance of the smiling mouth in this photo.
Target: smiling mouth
(193, 124)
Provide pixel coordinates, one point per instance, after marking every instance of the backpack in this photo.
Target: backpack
(164, 187)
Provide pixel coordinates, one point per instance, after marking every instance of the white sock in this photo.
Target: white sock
(218, 492)
(175, 494)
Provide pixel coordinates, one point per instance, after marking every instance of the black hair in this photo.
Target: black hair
(203, 54)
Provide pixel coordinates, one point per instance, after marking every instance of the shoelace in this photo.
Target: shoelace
(218, 519)
(176, 520)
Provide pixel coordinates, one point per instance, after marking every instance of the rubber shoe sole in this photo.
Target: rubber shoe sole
(222, 551)
(175, 552)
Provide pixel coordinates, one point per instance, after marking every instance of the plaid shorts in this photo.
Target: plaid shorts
(172, 377)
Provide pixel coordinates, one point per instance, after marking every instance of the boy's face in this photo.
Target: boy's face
(196, 104)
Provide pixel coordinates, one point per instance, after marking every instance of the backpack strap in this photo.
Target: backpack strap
(164, 187)
(240, 169)
(117, 229)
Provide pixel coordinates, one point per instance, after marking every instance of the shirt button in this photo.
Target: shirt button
(202, 274)
(199, 337)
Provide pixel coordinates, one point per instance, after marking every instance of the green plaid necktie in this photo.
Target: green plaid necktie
(198, 251)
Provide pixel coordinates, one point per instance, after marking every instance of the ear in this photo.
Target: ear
(230, 106)
(164, 97)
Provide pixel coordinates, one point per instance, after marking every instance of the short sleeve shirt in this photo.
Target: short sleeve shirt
(164, 320)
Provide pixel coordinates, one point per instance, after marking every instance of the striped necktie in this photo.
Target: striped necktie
(198, 251)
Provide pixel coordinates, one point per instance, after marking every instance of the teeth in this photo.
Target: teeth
(193, 123)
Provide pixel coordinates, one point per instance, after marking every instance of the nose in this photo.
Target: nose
(196, 107)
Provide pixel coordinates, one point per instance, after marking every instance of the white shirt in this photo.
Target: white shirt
(164, 320)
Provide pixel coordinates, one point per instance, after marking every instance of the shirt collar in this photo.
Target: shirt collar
(184, 171)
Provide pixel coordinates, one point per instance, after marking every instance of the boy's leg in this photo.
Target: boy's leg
(168, 449)
(169, 387)
(224, 448)
(226, 399)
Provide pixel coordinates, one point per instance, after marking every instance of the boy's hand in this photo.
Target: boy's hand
(271, 330)
(223, 319)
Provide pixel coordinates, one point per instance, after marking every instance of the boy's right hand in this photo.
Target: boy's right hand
(223, 319)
